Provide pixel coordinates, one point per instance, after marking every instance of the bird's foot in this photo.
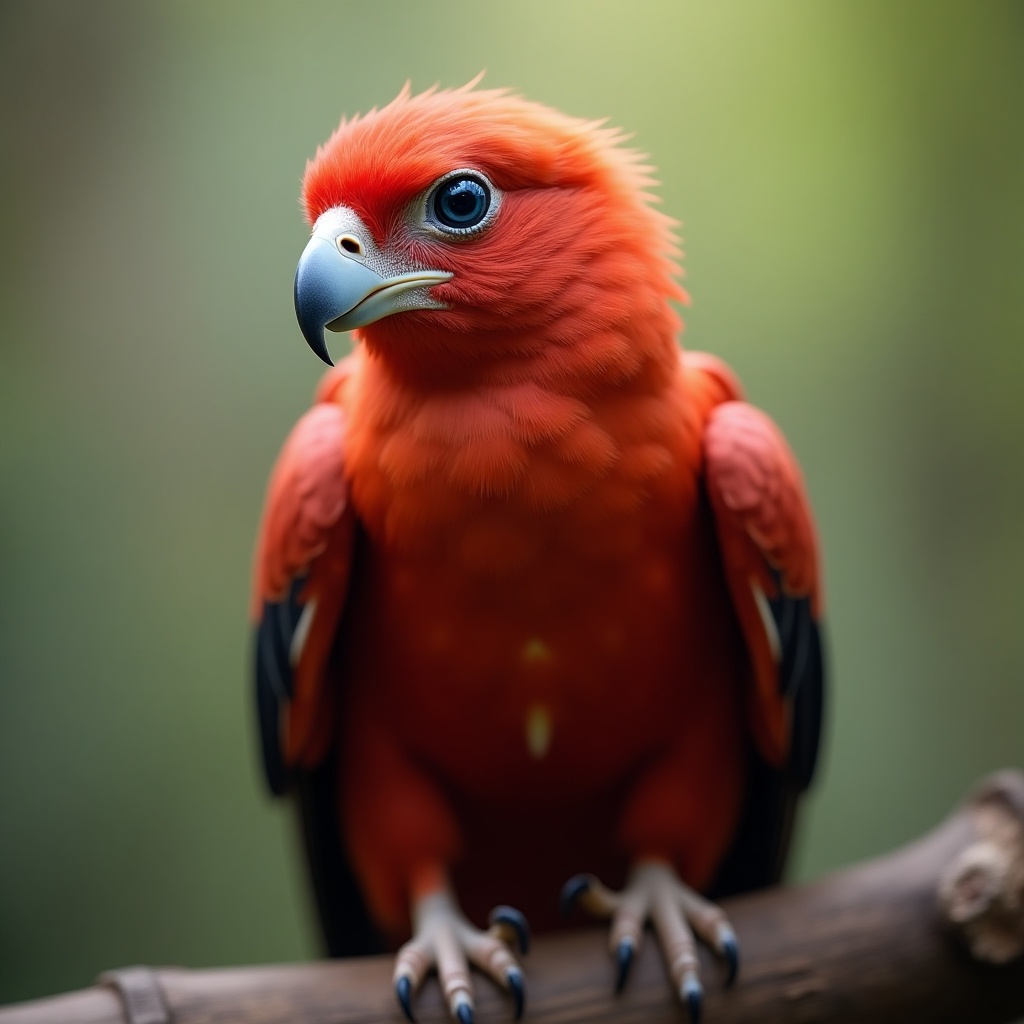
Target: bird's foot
(445, 941)
(654, 893)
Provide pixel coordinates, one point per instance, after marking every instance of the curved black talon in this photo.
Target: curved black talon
(731, 952)
(515, 920)
(624, 957)
(403, 989)
(694, 995)
(464, 1014)
(515, 986)
(572, 891)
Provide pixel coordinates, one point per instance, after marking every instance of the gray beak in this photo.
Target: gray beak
(344, 280)
(328, 285)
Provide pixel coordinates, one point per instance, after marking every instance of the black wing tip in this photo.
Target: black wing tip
(275, 680)
(801, 678)
(759, 848)
(809, 710)
(268, 712)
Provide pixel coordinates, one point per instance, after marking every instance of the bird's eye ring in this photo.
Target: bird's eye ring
(460, 203)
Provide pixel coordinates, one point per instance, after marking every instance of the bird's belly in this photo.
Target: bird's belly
(539, 691)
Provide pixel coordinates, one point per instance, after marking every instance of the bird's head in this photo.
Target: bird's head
(465, 228)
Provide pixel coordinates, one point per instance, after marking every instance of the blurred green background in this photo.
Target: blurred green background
(851, 177)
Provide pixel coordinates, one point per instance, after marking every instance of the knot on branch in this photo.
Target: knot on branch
(982, 890)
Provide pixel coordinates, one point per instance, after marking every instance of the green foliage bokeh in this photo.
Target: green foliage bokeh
(851, 178)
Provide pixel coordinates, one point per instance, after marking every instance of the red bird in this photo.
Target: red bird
(536, 591)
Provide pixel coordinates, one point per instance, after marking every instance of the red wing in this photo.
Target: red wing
(770, 553)
(303, 559)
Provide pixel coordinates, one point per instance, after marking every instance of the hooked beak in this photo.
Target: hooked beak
(344, 281)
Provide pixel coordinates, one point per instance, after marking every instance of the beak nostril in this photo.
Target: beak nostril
(351, 244)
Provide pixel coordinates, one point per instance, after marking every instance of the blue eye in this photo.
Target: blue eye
(461, 203)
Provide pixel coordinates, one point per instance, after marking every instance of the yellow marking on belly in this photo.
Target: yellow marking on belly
(536, 651)
(538, 731)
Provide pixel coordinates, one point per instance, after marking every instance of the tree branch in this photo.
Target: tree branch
(934, 931)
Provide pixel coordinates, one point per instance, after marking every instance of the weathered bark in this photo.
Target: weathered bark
(934, 931)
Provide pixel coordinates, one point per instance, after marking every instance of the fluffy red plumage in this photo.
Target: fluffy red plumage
(540, 541)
